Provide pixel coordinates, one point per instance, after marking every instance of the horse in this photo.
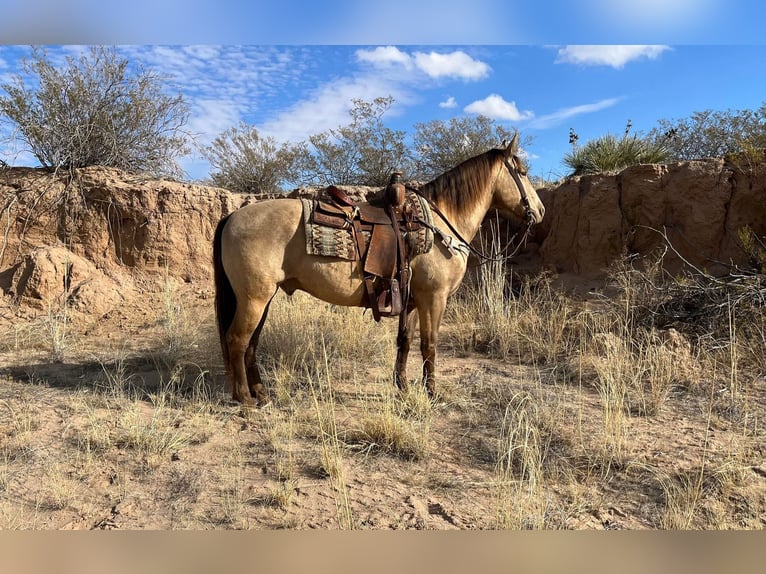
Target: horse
(261, 248)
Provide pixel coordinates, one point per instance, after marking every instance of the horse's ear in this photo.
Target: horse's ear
(512, 147)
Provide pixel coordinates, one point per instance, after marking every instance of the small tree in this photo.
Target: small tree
(96, 110)
(440, 146)
(246, 162)
(364, 152)
(611, 153)
(712, 133)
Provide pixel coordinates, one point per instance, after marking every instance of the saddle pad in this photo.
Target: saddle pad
(422, 240)
(325, 240)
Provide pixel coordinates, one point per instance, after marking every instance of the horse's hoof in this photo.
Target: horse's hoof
(246, 402)
(259, 404)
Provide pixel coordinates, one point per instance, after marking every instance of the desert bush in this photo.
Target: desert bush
(96, 110)
(720, 316)
(363, 152)
(439, 146)
(246, 162)
(711, 133)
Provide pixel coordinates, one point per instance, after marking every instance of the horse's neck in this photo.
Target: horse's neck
(468, 219)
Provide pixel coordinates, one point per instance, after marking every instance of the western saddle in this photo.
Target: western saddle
(380, 231)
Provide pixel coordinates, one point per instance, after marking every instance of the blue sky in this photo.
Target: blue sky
(291, 81)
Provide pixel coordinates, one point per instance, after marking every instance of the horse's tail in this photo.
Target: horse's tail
(225, 299)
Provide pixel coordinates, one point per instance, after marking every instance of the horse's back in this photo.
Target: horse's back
(274, 218)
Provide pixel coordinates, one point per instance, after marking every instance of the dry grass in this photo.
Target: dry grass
(394, 424)
(538, 324)
(520, 473)
(301, 335)
(553, 412)
(332, 462)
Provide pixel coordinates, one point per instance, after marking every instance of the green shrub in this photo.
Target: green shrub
(610, 153)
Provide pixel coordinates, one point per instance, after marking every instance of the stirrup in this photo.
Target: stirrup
(390, 300)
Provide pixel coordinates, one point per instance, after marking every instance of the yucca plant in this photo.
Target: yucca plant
(611, 153)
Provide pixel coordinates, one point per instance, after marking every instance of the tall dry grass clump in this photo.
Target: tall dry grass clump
(533, 326)
(519, 481)
(332, 451)
(302, 334)
(394, 424)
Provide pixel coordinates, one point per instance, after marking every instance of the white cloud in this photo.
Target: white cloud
(385, 55)
(453, 65)
(495, 107)
(448, 103)
(211, 117)
(240, 73)
(328, 107)
(457, 64)
(550, 120)
(203, 52)
(615, 56)
(527, 155)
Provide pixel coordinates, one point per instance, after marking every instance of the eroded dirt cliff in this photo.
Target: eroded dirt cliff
(95, 232)
(693, 211)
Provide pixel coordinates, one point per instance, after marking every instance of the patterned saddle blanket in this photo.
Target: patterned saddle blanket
(329, 231)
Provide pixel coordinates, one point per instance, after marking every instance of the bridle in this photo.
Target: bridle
(529, 220)
(529, 215)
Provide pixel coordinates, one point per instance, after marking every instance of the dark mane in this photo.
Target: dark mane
(465, 185)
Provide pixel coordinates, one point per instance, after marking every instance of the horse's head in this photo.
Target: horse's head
(513, 194)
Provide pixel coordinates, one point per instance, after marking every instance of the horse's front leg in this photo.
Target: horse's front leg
(430, 320)
(403, 343)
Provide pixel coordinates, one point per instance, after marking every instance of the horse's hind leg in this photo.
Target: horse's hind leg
(254, 383)
(241, 332)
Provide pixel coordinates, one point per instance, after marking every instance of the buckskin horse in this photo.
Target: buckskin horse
(261, 248)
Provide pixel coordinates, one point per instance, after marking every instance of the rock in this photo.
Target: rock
(115, 220)
(52, 276)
